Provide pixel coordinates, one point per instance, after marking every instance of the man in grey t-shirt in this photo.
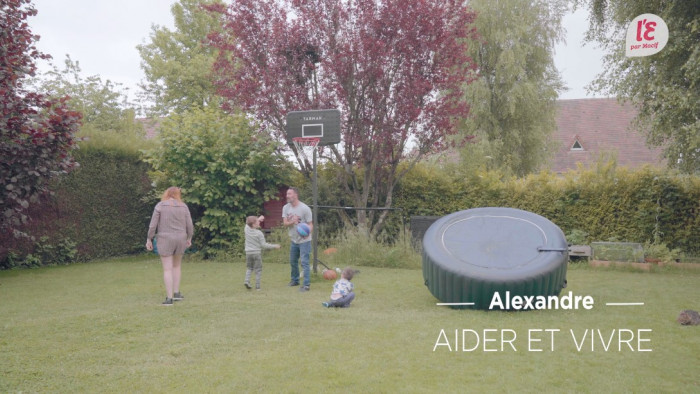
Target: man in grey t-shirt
(293, 213)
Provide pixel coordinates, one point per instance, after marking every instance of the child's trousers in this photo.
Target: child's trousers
(253, 263)
(343, 302)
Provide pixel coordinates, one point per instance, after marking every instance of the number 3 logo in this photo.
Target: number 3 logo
(647, 34)
(649, 27)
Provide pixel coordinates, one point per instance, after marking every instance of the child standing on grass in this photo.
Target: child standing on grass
(254, 245)
(342, 294)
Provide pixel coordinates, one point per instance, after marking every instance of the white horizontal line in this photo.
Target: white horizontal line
(455, 303)
(623, 303)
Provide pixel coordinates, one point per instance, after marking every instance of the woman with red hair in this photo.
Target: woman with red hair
(171, 223)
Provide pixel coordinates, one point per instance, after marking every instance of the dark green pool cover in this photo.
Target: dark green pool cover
(470, 255)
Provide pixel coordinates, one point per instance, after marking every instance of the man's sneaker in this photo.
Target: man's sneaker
(178, 296)
(304, 288)
(247, 285)
(167, 302)
(257, 287)
(326, 304)
(293, 283)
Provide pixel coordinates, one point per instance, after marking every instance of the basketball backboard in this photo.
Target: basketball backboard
(323, 124)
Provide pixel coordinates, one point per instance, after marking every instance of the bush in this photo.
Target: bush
(577, 237)
(48, 252)
(105, 205)
(355, 249)
(604, 203)
(225, 169)
(662, 253)
(100, 209)
(11, 260)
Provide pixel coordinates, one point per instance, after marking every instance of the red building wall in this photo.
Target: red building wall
(273, 210)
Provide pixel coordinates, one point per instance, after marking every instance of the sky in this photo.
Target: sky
(102, 36)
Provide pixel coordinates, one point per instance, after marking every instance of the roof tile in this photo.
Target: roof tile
(601, 126)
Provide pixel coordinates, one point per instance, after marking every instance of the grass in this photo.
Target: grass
(98, 327)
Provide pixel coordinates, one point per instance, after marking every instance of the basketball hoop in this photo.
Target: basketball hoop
(305, 146)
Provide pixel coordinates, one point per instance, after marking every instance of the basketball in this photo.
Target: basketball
(329, 274)
(303, 229)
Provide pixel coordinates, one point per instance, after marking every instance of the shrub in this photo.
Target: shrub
(577, 237)
(105, 205)
(36, 133)
(661, 252)
(31, 261)
(355, 248)
(11, 260)
(603, 202)
(100, 209)
(226, 170)
(49, 252)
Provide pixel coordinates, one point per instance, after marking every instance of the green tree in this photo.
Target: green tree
(226, 169)
(104, 106)
(664, 87)
(178, 63)
(512, 100)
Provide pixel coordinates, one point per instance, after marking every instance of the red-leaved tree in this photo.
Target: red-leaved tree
(393, 68)
(36, 134)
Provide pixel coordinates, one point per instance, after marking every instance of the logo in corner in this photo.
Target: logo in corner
(647, 34)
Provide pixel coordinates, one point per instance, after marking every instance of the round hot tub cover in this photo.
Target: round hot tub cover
(470, 255)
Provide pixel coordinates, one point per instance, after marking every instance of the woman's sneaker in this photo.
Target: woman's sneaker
(167, 302)
(178, 296)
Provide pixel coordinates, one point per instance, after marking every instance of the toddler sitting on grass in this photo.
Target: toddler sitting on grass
(342, 294)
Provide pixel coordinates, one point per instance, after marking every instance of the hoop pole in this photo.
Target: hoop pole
(314, 239)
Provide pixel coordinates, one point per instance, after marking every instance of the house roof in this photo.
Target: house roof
(600, 126)
(151, 126)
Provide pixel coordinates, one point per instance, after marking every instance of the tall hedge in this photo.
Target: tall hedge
(105, 205)
(607, 203)
(100, 209)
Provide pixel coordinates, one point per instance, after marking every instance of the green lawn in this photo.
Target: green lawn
(99, 327)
